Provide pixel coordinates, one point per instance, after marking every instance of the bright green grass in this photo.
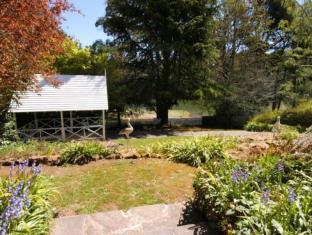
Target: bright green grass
(140, 143)
(108, 185)
(194, 108)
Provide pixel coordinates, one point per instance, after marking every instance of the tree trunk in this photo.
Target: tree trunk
(279, 104)
(119, 118)
(3, 119)
(162, 112)
(4, 109)
(2, 122)
(275, 101)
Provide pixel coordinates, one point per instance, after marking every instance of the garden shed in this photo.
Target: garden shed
(74, 109)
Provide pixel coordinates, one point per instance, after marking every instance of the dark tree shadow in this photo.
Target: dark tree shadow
(198, 223)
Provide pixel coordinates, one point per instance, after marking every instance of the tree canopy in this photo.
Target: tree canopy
(30, 36)
(98, 59)
(166, 46)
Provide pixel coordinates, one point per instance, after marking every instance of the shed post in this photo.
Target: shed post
(71, 120)
(36, 121)
(15, 121)
(103, 124)
(62, 126)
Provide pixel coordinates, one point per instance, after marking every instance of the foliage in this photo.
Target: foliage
(25, 201)
(166, 47)
(269, 117)
(196, 151)
(258, 126)
(74, 59)
(270, 196)
(82, 153)
(20, 150)
(291, 64)
(28, 42)
(288, 134)
(8, 134)
(241, 90)
(98, 59)
(299, 117)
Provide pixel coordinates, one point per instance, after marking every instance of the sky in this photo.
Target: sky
(82, 26)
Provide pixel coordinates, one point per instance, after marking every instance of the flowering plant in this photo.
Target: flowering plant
(24, 201)
(269, 196)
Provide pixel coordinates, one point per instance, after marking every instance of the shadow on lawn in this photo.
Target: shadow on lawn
(199, 224)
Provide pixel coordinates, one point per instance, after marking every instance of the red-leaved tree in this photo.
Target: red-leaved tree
(30, 37)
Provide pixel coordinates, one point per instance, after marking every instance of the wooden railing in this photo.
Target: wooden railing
(75, 128)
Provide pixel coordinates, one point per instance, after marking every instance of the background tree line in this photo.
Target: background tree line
(235, 56)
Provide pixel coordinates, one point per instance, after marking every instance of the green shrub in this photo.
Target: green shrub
(20, 150)
(258, 126)
(299, 117)
(9, 134)
(25, 202)
(196, 151)
(266, 117)
(270, 196)
(288, 133)
(82, 153)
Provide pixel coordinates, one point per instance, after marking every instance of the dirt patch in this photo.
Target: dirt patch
(252, 147)
(64, 212)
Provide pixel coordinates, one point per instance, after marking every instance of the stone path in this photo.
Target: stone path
(173, 219)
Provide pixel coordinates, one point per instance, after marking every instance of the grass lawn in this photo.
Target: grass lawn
(140, 143)
(108, 185)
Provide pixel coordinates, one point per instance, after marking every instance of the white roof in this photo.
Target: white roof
(75, 93)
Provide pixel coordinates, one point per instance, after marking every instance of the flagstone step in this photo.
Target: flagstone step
(172, 219)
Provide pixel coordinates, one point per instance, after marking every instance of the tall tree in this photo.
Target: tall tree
(74, 59)
(291, 57)
(30, 35)
(241, 66)
(280, 13)
(166, 45)
(298, 59)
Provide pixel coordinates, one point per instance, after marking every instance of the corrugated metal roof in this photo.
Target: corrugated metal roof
(75, 93)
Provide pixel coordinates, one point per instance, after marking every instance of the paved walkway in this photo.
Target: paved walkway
(173, 219)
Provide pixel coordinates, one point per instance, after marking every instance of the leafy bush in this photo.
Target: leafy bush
(25, 201)
(270, 196)
(196, 151)
(266, 117)
(288, 134)
(9, 134)
(82, 153)
(20, 150)
(299, 117)
(258, 126)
